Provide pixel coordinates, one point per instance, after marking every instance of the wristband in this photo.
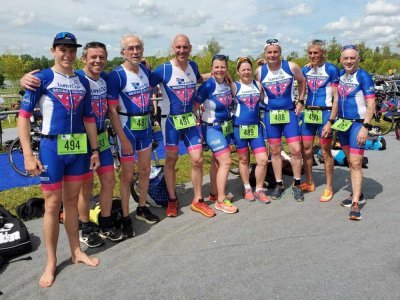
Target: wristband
(367, 125)
(96, 149)
(301, 102)
(332, 121)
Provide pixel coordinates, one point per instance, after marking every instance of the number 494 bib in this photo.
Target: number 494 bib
(75, 143)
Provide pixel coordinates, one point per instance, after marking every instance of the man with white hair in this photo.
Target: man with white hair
(129, 103)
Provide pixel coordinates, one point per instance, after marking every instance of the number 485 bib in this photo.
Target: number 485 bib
(75, 143)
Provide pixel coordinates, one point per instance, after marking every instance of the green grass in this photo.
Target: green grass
(13, 197)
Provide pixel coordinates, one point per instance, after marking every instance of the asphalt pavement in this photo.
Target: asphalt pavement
(283, 250)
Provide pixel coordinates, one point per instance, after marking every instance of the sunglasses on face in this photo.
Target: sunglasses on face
(64, 35)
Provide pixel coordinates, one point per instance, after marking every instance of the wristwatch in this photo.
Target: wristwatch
(332, 121)
(96, 149)
(367, 125)
(300, 101)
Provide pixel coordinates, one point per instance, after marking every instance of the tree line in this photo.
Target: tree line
(381, 60)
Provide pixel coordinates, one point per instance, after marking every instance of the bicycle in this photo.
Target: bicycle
(15, 154)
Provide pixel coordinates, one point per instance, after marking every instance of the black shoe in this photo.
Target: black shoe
(112, 234)
(144, 214)
(127, 229)
(347, 202)
(297, 193)
(277, 192)
(91, 239)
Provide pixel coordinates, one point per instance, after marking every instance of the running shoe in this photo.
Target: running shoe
(307, 187)
(91, 239)
(172, 208)
(355, 213)
(226, 206)
(262, 197)
(202, 207)
(127, 229)
(111, 234)
(326, 196)
(297, 193)
(144, 214)
(347, 202)
(277, 192)
(248, 195)
(214, 198)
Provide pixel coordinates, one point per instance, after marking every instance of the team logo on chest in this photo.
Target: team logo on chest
(69, 99)
(184, 91)
(315, 82)
(224, 99)
(249, 100)
(99, 107)
(346, 86)
(140, 95)
(277, 87)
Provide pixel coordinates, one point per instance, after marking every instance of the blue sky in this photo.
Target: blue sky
(241, 27)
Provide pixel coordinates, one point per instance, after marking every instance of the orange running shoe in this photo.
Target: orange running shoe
(262, 197)
(226, 206)
(307, 187)
(214, 198)
(248, 195)
(203, 208)
(326, 196)
(172, 208)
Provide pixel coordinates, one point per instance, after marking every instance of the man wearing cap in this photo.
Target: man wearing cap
(277, 78)
(356, 105)
(64, 101)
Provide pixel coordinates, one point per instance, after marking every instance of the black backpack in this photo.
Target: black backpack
(31, 209)
(14, 237)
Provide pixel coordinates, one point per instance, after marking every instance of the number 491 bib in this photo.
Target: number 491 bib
(75, 143)
(184, 121)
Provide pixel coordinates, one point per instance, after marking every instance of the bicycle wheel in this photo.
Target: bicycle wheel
(15, 155)
(385, 121)
(234, 169)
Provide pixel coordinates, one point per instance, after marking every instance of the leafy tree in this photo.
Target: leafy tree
(13, 67)
(333, 51)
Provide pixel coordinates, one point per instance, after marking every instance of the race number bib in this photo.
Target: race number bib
(341, 125)
(227, 127)
(248, 131)
(313, 116)
(279, 117)
(75, 143)
(184, 121)
(139, 122)
(102, 140)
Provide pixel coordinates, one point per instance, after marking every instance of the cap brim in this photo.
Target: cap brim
(67, 42)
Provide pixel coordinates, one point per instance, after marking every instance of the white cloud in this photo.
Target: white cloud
(84, 23)
(24, 18)
(192, 19)
(381, 7)
(146, 8)
(300, 9)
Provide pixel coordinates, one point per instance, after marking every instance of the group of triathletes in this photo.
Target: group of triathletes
(74, 143)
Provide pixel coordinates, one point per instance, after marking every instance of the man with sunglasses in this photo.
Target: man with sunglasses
(356, 105)
(322, 80)
(64, 100)
(129, 107)
(277, 78)
(178, 79)
(95, 58)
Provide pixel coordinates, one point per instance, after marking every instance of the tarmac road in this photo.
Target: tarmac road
(284, 250)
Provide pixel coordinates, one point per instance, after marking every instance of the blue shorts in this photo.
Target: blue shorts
(190, 136)
(140, 139)
(215, 139)
(106, 161)
(308, 129)
(290, 130)
(348, 139)
(256, 144)
(72, 167)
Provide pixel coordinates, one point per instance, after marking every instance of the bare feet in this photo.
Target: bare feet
(48, 276)
(82, 257)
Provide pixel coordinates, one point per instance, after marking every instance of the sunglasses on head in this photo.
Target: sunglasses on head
(272, 42)
(220, 57)
(64, 35)
(349, 47)
(243, 60)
